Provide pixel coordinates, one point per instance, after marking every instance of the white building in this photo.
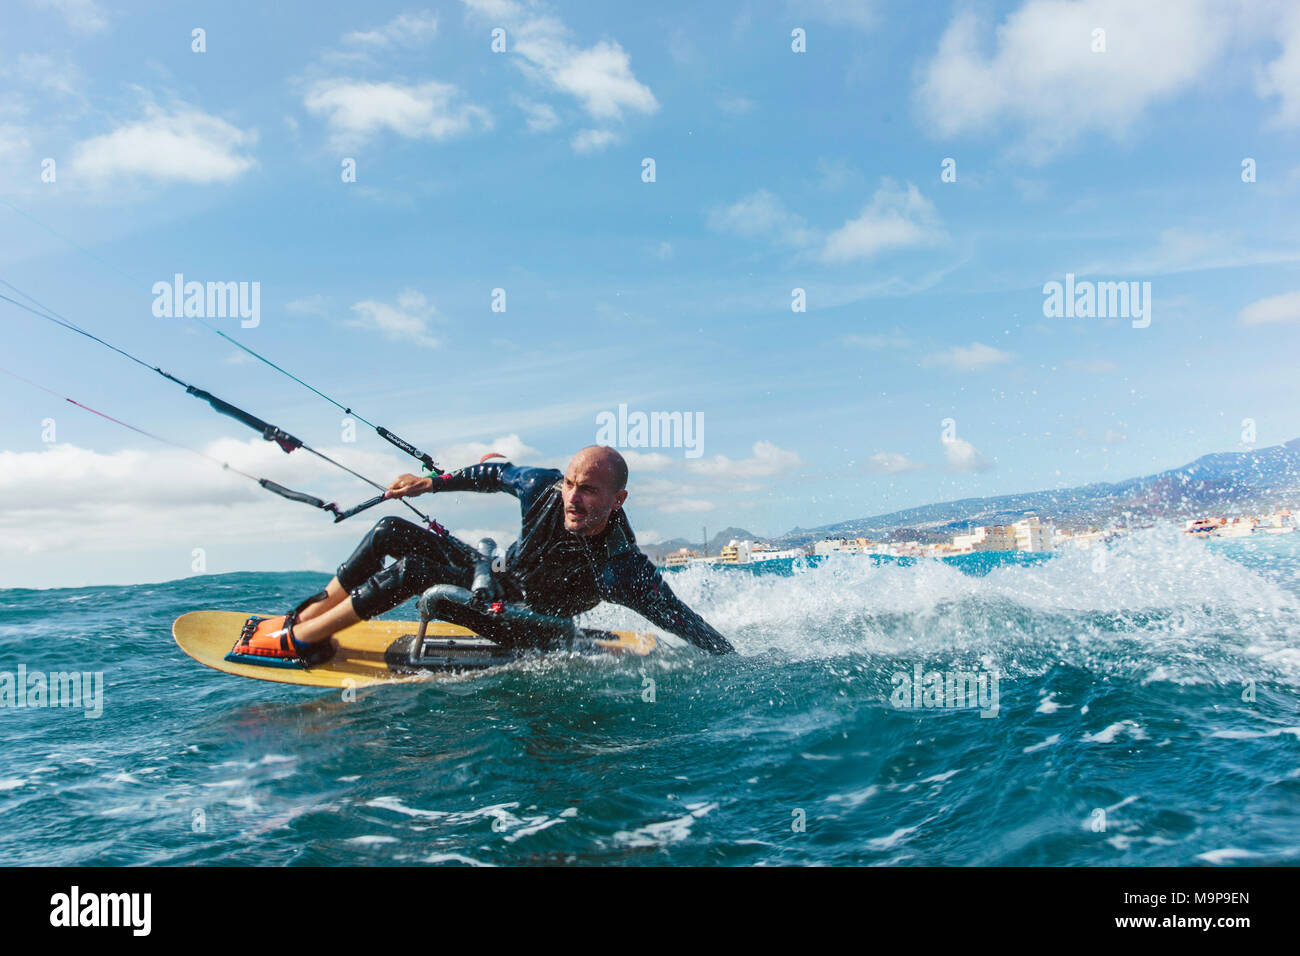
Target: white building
(737, 552)
(1032, 535)
(965, 543)
(838, 546)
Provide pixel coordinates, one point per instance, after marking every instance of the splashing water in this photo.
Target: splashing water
(1146, 713)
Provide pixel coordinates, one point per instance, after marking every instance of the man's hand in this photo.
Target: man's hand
(408, 486)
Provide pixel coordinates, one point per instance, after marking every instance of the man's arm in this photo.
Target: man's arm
(637, 584)
(496, 476)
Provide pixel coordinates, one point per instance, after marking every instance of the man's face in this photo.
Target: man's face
(589, 495)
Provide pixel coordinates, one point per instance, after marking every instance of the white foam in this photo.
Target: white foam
(1159, 607)
(1111, 733)
(854, 797)
(940, 777)
(667, 831)
(888, 842)
(1054, 739)
(1253, 734)
(455, 858)
(1049, 705)
(1226, 855)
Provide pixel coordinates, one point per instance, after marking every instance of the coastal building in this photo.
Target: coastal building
(1237, 528)
(1280, 522)
(1032, 535)
(1000, 537)
(1085, 539)
(737, 552)
(966, 543)
(838, 546)
(763, 552)
(680, 558)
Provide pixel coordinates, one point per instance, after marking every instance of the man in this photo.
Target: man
(575, 549)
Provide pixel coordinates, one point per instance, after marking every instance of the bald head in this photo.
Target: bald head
(595, 485)
(602, 458)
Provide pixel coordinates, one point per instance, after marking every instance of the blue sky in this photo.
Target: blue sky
(522, 170)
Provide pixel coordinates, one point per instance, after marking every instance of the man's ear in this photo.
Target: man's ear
(619, 499)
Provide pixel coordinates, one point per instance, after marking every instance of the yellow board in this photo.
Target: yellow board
(359, 656)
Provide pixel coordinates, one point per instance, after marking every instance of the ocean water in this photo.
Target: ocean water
(1146, 714)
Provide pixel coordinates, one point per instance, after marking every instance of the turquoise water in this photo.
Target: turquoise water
(1121, 735)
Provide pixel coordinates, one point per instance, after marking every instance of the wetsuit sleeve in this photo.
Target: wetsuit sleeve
(637, 584)
(491, 476)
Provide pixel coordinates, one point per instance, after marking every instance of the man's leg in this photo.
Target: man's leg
(365, 588)
(334, 595)
(326, 620)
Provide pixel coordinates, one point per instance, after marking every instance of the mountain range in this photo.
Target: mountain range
(1224, 482)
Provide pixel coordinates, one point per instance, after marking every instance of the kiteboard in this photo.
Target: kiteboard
(377, 651)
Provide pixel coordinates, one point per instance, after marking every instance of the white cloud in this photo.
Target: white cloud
(963, 456)
(638, 461)
(894, 340)
(42, 72)
(767, 459)
(599, 77)
(1278, 308)
(83, 16)
(1184, 250)
(1037, 70)
(181, 145)
(1281, 78)
(685, 506)
(667, 496)
(539, 117)
(496, 9)
(761, 215)
(406, 29)
(355, 110)
(891, 463)
(13, 140)
(896, 218)
(468, 453)
(834, 174)
(68, 499)
(407, 321)
(593, 140)
(965, 358)
(853, 13)
(310, 305)
(77, 516)
(736, 105)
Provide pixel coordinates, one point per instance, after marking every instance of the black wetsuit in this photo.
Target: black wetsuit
(553, 570)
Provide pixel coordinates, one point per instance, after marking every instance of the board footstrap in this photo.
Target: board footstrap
(236, 656)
